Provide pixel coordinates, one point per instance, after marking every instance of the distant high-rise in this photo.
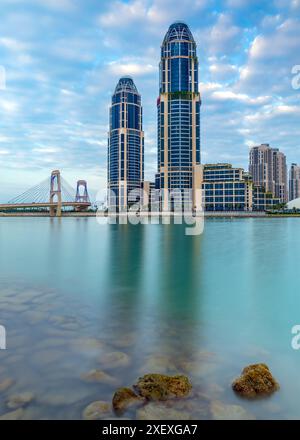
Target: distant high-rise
(268, 169)
(178, 114)
(294, 182)
(125, 144)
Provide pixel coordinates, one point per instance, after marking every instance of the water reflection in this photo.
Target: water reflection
(73, 292)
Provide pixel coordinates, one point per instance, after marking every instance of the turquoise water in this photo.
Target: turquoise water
(72, 292)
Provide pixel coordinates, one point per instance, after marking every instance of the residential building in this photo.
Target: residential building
(178, 117)
(294, 182)
(267, 166)
(125, 145)
(226, 188)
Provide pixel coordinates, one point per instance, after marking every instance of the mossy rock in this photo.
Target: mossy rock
(162, 387)
(256, 380)
(125, 398)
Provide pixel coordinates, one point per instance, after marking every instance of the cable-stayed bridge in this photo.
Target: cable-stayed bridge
(53, 194)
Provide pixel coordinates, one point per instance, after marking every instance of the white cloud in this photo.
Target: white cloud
(8, 106)
(222, 38)
(3, 152)
(123, 67)
(225, 95)
(12, 44)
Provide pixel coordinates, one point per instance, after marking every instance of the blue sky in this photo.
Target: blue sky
(62, 60)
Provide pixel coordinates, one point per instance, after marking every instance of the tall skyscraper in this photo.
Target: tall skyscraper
(268, 169)
(178, 114)
(125, 144)
(294, 182)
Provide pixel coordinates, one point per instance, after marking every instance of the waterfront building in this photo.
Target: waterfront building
(149, 196)
(263, 200)
(294, 182)
(226, 188)
(125, 145)
(178, 108)
(268, 169)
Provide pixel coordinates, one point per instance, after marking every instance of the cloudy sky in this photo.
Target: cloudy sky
(62, 59)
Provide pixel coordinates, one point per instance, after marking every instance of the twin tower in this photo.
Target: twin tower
(178, 127)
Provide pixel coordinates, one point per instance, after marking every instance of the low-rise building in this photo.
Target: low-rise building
(226, 188)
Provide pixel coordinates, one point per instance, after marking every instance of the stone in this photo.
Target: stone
(45, 357)
(13, 415)
(158, 411)
(65, 322)
(162, 387)
(220, 411)
(35, 317)
(198, 368)
(124, 341)
(99, 376)
(5, 384)
(87, 345)
(256, 380)
(20, 400)
(159, 363)
(115, 359)
(96, 411)
(125, 398)
(58, 395)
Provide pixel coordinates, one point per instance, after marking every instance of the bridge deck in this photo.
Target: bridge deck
(45, 205)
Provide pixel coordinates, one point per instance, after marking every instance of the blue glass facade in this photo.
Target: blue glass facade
(125, 143)
(178, 110)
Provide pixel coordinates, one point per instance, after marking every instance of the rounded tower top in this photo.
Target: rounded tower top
(178, 31)
(126, 84)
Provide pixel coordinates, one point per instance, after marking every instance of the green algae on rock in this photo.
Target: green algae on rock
(256, 380)
(162, 387)
(125, 398)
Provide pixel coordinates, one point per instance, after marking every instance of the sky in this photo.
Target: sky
(60, 61)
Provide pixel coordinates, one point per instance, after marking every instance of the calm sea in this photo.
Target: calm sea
(77, 296)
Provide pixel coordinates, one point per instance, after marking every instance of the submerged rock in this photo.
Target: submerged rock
(162, 387)
(124, 341)
(115, 359)
(13, 415)
(60, 395)
(5, 384)
(159, 411)
(125, 398)
(65, 322)
(19, 400)
(96, 410)
(87, 345)
(256, 380)
(99, 376)
(159, 363)
(220, 411)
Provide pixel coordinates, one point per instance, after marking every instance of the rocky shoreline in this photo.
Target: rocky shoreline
(83, 377)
